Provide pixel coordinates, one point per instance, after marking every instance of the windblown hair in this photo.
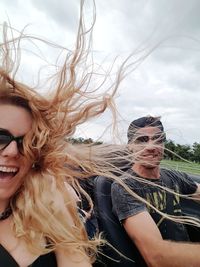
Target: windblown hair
(38, 206)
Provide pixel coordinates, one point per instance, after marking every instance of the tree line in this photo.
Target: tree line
(175, 151)
(81, 140)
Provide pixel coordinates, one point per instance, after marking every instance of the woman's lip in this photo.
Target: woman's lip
(6, 177)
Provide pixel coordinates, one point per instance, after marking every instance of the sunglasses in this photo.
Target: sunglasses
(6, 138)
(157, 138)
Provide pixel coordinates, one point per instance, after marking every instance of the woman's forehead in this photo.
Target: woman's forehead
(17, 120)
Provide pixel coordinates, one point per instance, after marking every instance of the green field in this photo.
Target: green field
(193, 168)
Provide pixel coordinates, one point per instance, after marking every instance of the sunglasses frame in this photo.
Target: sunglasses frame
(158, 138)
(10, 138)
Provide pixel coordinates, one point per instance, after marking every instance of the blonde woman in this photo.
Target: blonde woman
(39, 223)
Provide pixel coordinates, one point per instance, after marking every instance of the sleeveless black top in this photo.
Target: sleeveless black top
(7, 260)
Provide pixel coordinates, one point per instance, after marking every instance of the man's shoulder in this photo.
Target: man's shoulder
(173, 173)
(185, 181)
(127, 178)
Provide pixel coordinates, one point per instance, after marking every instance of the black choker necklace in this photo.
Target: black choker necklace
(5, 214)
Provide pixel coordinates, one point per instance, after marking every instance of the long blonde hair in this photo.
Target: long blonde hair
(38, 205)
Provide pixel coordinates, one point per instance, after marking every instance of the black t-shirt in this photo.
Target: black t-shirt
(126, 205)
(47, 260)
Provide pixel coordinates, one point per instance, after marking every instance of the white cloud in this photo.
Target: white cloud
(166, 83)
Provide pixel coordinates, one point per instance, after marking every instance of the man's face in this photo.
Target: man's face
(148, 146)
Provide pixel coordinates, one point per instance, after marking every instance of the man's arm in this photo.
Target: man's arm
(158, 252)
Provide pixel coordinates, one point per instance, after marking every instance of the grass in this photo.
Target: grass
(192, 168)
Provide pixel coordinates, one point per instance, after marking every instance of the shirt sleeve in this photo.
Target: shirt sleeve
(124, 204)
(186, 183)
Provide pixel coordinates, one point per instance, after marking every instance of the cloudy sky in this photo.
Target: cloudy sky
(166, 83)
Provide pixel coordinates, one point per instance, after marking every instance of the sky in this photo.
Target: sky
(166, 83)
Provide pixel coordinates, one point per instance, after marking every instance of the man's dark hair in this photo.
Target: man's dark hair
(147, 121)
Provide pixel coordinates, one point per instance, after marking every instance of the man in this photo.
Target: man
(149, 229)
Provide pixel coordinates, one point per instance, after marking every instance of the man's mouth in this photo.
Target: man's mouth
(150, 155)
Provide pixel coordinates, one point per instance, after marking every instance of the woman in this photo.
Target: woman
(19, 221)
(39, 223)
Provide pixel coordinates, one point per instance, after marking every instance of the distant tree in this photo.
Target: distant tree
(88, 141)
(184, 151)
(174, 151)
(81, 140)
(78, 140)
(196, 152)
(170, 147)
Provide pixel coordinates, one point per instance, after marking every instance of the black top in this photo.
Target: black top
(6, 260)
(125, 205)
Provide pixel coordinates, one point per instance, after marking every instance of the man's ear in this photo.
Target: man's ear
(130, 147)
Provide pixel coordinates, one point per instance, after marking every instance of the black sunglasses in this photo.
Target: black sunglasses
(158, 138)
(6, 138)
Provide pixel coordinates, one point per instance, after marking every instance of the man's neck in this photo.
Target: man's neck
(148, 173)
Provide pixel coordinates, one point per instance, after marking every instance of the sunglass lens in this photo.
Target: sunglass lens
(4, 140)
(142, 139)
(159, 138)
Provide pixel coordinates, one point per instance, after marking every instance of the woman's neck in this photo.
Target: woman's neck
(3, 205)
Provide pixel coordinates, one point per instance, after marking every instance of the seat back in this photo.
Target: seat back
(109, 224)
(191, 208)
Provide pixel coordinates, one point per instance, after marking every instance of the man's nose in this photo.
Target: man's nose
(151, 145)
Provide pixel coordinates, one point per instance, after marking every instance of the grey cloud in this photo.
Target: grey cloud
(167, 81)
(63, 12)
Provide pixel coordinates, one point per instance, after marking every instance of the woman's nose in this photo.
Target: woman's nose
(11, 150)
